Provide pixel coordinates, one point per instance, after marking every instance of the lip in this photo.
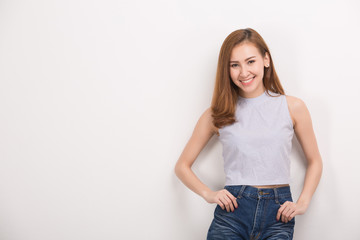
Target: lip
(248, 83)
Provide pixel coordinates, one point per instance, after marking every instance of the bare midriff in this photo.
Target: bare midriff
(271, 186)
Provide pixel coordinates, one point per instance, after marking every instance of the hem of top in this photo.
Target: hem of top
(239, 184)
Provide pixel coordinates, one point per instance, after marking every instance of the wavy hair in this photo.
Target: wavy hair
(225, 95)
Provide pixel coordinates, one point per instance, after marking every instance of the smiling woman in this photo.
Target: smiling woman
(255, 122)
(248, 72)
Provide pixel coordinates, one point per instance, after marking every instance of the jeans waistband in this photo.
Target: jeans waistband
(265, 193)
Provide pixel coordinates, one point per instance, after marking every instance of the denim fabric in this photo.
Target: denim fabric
(255, 217)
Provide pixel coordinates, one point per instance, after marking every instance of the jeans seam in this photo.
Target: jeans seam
(241, 191)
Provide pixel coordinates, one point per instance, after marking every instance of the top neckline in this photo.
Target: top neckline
(257, 99)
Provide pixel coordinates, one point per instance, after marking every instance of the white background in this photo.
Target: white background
(98, 99)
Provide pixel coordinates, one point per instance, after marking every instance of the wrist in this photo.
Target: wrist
(303, 202)
(205, 193)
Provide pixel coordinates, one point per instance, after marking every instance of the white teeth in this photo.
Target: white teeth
(248, 80)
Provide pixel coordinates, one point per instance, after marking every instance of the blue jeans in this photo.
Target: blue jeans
(255, 217)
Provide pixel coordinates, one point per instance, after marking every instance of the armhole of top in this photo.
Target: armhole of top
(217, 133)
(288, 112)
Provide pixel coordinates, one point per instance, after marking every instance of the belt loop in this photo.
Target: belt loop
(276, 196)
(241, 191)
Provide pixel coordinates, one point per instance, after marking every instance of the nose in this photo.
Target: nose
(244, 73)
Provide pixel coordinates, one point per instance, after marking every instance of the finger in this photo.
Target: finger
(280, 211)
(291, 210)
(289, 213)
(221, 204)
(283, 217)
(278, 215)
(233, 202)
(228, 204)
(233, 199)
(293, 213)
(284, 211)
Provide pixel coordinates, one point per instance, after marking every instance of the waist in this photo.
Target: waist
(271, 186)
(253, 192)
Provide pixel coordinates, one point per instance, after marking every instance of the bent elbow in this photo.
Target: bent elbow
(179, 168)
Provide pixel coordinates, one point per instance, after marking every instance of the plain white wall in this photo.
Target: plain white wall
(98, 99)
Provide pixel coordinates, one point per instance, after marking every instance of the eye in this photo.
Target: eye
(251, 61)
(234, 65)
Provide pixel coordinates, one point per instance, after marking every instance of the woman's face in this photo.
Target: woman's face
(246, 63)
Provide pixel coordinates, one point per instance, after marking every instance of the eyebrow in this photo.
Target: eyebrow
(245, 59)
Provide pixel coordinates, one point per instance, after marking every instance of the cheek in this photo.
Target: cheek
(259, 70)
(233, 74)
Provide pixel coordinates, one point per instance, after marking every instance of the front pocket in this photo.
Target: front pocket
(233, 190)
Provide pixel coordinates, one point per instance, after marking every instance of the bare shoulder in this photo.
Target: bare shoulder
(294, 102)
(297, 108)
(207, 117)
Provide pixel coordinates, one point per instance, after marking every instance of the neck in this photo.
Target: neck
(251, 94)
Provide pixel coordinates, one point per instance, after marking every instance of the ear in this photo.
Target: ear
(267, 59)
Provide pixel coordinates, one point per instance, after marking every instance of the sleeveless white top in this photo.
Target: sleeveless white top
(256, 147)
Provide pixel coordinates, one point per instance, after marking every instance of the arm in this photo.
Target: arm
(202, 133)
(305, 134)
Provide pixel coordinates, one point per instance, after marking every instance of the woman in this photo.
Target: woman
(255, 122)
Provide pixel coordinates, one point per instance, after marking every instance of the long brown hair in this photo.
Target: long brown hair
(225, 94)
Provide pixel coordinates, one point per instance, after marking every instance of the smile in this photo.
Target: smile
(247, 81)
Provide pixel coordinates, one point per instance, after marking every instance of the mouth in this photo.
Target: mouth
(247, 82)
